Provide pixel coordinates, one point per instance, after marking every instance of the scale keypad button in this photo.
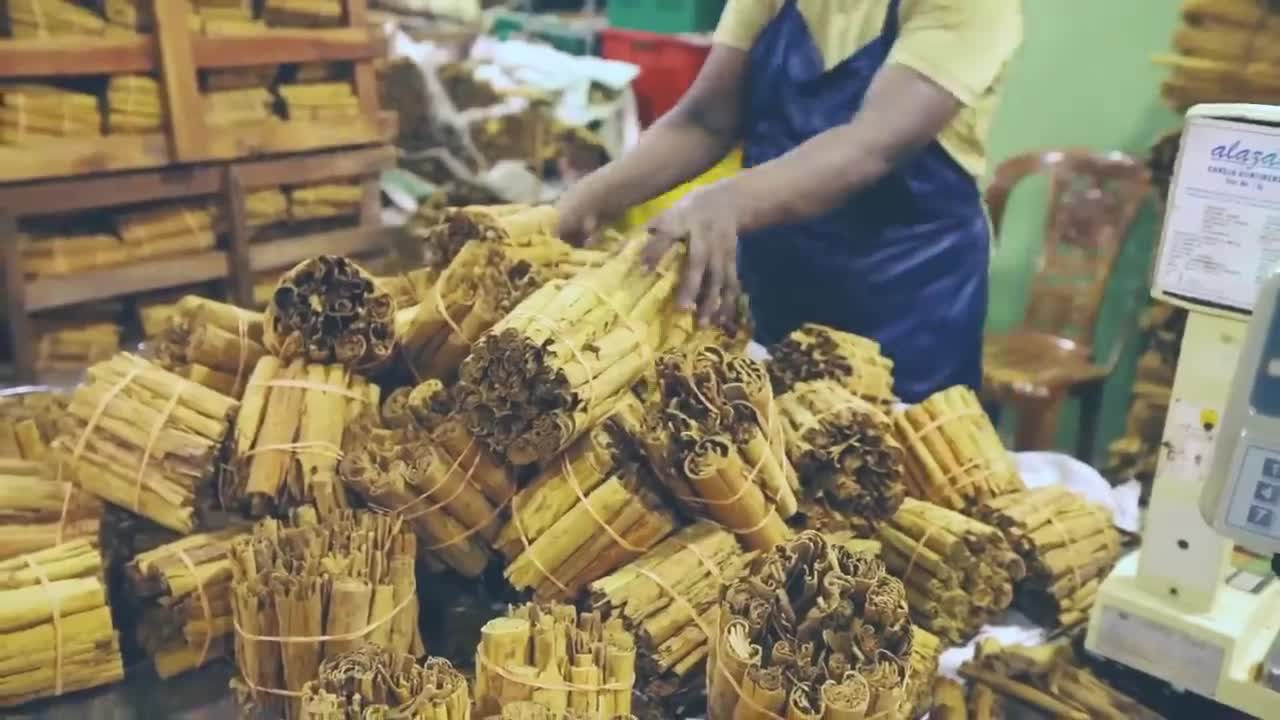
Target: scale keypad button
(1266, 492)
(1260, 516)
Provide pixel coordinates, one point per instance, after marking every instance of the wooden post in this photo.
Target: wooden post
(363, 74)
(188, 134)
(21, 334)
(239, 275)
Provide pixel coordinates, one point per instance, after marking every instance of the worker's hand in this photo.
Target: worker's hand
(580, 215)
(708, 218)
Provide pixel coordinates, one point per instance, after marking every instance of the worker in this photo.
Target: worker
(863, 125)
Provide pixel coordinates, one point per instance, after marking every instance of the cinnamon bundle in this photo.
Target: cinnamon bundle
(290, 434)
(549, 655)
(444, 232)
(586, 513)
(184, 591)
(56, 633)
(29, 423)
(212, 343)
(669, 598)
(959, 573)
(555, 366)
(330, 588)
(954, 455)
(39, 510)
(373, 681)
(817, 352)
(329, 309)
(813, 631)
(145, 439)
(845, 454)
(926, 650)
(434, 476)
(715, 438)
(1068, 544)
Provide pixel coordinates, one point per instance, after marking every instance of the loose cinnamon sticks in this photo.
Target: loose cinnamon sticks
(816, 352)
(553, 367)
(184, 591)
(845, 452)
(959, 573)
(954, 455)
(549, 655)
(56, 632)
(813, 631)
(715, 439)
(1068, 544)
(669, 598)
(329, 588)
(145, 439)
(328, 309)
(374, 682)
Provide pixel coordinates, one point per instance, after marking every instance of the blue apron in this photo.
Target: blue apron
(903, 262)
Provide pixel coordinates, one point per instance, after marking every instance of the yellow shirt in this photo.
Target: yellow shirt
(962, 45)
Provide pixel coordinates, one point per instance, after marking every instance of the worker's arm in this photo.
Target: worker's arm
(685, 142)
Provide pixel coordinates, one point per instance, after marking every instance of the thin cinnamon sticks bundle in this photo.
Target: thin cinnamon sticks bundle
(555, 366)
(959, 573)
(714, 436)
(212, 343)
(813, 631)
(1068, 544)
(954, 455)
(184, 591)
(669, 598)
(444, 232)
(374, 682)
(56, 633)
(38, 510)
(845, 453)
(330, 310)
(145, 439)
(29, 423)
(549, 655)
(817, 352)
(290, 434)
(586, 513)
(926, 650)
(432, 474)
(304, 592)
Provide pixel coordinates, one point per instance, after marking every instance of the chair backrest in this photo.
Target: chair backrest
(1093, 200)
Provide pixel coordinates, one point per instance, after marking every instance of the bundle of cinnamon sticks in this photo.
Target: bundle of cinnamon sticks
(1068, 544)
(444, 232)
(954, 456)
(670, 599)
(1047, 678)
(56, 632)
(926, 650)
(432, 474)
(818, 352)
(39, 510)
(212, 343)
(374, 682)
(715, 437)
(586, 513)
(555, 366)
(329, 309)
(143, 438)
(959, 573)
(845, 453)
(290, 435)
(813, 631)
(328, 588)
(183, 589)
(551, 656)
(29, 423)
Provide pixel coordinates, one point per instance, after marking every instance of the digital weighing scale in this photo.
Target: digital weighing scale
(1176, 609)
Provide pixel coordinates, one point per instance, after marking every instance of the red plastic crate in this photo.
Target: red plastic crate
(668, 65)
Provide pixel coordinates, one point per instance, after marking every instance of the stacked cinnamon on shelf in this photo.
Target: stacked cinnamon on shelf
(34, 114)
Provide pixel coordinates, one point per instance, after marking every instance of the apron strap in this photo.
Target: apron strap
(892, 21)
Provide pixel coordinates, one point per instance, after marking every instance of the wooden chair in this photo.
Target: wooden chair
(1093, 199)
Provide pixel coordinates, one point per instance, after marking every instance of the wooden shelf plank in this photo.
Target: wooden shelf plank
(315, 167)
(60, 57)
(103, 191)
(112, 153)
(284, 253)
(145, 276)
(280, 46)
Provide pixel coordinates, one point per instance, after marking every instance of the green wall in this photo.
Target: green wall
(1084, 78)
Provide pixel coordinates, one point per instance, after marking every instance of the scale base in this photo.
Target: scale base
(1218, 654)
